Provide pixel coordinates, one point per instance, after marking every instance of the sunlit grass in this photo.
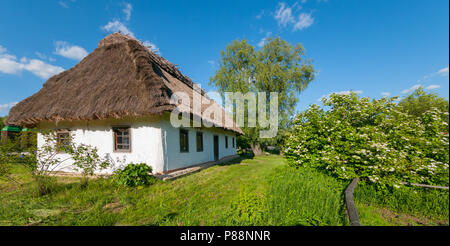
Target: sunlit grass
(426, 205)
(258, 191)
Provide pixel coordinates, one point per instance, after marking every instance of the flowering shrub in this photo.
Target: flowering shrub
(371, 139)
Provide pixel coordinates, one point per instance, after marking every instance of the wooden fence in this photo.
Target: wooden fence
(351, 209)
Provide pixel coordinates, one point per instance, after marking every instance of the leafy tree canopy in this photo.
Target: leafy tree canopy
(277, 67)
(419, 102)
(2, 124)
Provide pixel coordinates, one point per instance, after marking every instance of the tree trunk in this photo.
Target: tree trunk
(256, 148)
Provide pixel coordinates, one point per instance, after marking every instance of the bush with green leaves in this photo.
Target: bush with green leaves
(43, 161)
(135, 175)
(371, 139)
(86, 160)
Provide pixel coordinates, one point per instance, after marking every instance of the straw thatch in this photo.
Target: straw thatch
(121, 77)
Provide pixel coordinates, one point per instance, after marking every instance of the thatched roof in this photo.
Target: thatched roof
(121, 77)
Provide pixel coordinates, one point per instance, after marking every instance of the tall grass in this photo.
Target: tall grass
(305, 197)
(417, 201)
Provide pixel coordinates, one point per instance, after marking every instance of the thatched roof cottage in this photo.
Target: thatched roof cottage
(118, 100)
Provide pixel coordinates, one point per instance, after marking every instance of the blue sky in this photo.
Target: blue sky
(373, 47)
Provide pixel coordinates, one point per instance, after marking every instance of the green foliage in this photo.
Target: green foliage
(42, 161)
(419, 102)
(432, 203)
(86, 160)
(373, 140)
(277, 67)
(2, 120)
(135, 175)
(10, 152)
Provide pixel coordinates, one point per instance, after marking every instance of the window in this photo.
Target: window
(234, 144)
(199, 141)
(63, 140)
(184, 141)
(226, 142)
(122, 141)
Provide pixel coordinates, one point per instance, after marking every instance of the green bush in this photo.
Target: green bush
(371, 139)
(135, 175)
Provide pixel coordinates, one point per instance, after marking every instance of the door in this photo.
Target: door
(216, 148)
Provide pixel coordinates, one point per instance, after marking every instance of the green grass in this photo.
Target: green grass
(259, 191)
(402, 206)
(305, 197)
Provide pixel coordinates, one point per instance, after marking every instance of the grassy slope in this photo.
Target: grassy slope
(260, 191)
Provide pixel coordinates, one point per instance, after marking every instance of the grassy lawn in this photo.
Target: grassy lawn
(259, 191)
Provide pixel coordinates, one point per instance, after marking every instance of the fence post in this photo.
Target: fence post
(351, 209)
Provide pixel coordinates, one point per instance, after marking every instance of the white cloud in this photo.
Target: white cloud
(152, 47)
(127, 10)
(63, 4)
(212, 64)
(116, 26)
(10, 65)
(44, 57)
(263, 41)
(443, 72)
(340, 93)
(260, 15)
(6, 107)
(348, 92)
(284, 15)
(2, 49)
(42, 69)
(119, 26)
(432, 87)
(385, 94)
(304, 21)
(413, 88)
(70, 51)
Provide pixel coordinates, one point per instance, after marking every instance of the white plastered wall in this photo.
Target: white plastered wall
(174, 159)
(154, 141)
(146, 144)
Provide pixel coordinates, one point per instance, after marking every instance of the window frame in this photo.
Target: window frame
(117, 150)
(234, 142)
(186, 132)
(196, 141)
(59, 140)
